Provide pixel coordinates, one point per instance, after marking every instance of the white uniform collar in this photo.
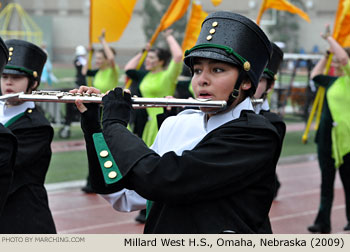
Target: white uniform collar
(6, 113)
(222, 118)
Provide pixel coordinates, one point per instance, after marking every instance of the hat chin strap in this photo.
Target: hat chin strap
(234, 95)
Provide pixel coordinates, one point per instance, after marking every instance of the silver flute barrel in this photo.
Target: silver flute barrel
(138, 102)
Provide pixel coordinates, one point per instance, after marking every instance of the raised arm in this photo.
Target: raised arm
(174, 46)
(108, 51)
(338, 51)
(134, 61)
(334, 48)
(319, 67)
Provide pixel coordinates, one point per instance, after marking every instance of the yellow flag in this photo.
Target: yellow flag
(282, 5)
(111, 15)
(175, 11)
(216, 2)
(193, 26)
(341, 29)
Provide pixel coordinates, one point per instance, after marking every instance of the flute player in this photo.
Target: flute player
(208, 171)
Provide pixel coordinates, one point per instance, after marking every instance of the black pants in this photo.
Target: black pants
(328, 172)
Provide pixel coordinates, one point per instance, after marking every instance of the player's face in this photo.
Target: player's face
(213, 79)
(12, 83)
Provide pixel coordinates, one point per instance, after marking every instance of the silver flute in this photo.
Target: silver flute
(137, 102)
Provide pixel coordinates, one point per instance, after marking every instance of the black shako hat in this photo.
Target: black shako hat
(25, 58)
(232, 38)
(274, 63)
(4, 55)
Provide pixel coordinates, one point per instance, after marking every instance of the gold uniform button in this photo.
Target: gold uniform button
(214, 24)
(11, 49)
(209, 37)
(35, 74)
(246, 66)
(212, 31)
(112, 175)
(9, 58)
(104, 153)
(108, 164)
(30, 111)
(10, 53)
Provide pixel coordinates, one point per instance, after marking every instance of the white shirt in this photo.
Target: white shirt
(177, 133)
(6, 113)
(193, 126)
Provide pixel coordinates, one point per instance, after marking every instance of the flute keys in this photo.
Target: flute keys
(60, 95)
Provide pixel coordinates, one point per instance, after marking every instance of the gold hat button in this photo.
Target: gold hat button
(104, 153)
(214, 24)
(30, 111)
(112, 175)
(108, 164)
(11, 49)
(246, 66)
(209, 37)
(212, 31)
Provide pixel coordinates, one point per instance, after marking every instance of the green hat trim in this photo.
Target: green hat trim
(23, 69)
(269, 73)
(227, 49)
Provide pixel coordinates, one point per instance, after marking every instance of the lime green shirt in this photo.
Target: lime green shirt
(338, 97)
(155, 85)
(106, 79)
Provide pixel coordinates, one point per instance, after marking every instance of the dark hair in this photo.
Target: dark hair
(269, 83)
(162, 54)
(31, 82)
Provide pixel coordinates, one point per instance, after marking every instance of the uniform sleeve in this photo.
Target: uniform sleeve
(7, 154)
(91, 73)
(136, 75)
(324, 80)
(220, 165)
(170, 77)
(173, 70)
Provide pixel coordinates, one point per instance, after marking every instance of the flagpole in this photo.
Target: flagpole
(261, 11)
(89, 79)
(317, 105)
